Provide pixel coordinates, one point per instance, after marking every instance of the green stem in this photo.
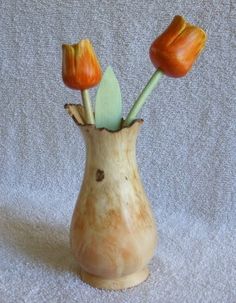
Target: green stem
(87, 107)
(152, 83)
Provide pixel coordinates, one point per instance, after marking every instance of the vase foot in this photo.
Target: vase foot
(116, 283)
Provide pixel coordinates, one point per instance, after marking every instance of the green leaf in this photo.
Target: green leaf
(108, 107)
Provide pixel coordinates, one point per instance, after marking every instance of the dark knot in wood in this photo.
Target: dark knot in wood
(99, 175)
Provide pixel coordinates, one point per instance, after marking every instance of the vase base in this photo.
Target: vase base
(116, 283)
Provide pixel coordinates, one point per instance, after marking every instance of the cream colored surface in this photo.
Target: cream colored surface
(113, 234)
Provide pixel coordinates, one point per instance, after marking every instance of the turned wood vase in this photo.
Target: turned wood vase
(113, 233)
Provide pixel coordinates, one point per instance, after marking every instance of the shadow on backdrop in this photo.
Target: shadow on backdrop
(41, 242)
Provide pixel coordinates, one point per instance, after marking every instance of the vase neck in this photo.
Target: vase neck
(111, 149)
(110, 143)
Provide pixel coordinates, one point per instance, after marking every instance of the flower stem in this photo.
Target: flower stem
(152, 83)
(87, 107)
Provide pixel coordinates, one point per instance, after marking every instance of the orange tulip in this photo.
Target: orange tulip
(80, 67)
(176, 49)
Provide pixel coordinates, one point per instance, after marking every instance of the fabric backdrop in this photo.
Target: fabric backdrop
(185, 151)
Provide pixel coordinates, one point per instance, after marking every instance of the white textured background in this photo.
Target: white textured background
(186, 150)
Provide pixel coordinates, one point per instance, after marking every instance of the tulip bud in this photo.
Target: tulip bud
(80, 67)
(176, 49)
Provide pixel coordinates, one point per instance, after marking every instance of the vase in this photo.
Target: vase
(113, 232)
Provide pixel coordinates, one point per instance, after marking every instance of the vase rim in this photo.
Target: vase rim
(92, 126)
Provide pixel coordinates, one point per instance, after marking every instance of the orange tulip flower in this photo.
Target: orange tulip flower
(176, 49)
(80, 67)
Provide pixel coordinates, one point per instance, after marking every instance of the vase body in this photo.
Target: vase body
(113, 233)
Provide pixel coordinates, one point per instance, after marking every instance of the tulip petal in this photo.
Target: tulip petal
(189, 38)
(188, 45)
(176, 27)
(68, 66)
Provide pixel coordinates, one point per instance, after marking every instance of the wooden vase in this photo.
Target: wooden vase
(113, 233)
